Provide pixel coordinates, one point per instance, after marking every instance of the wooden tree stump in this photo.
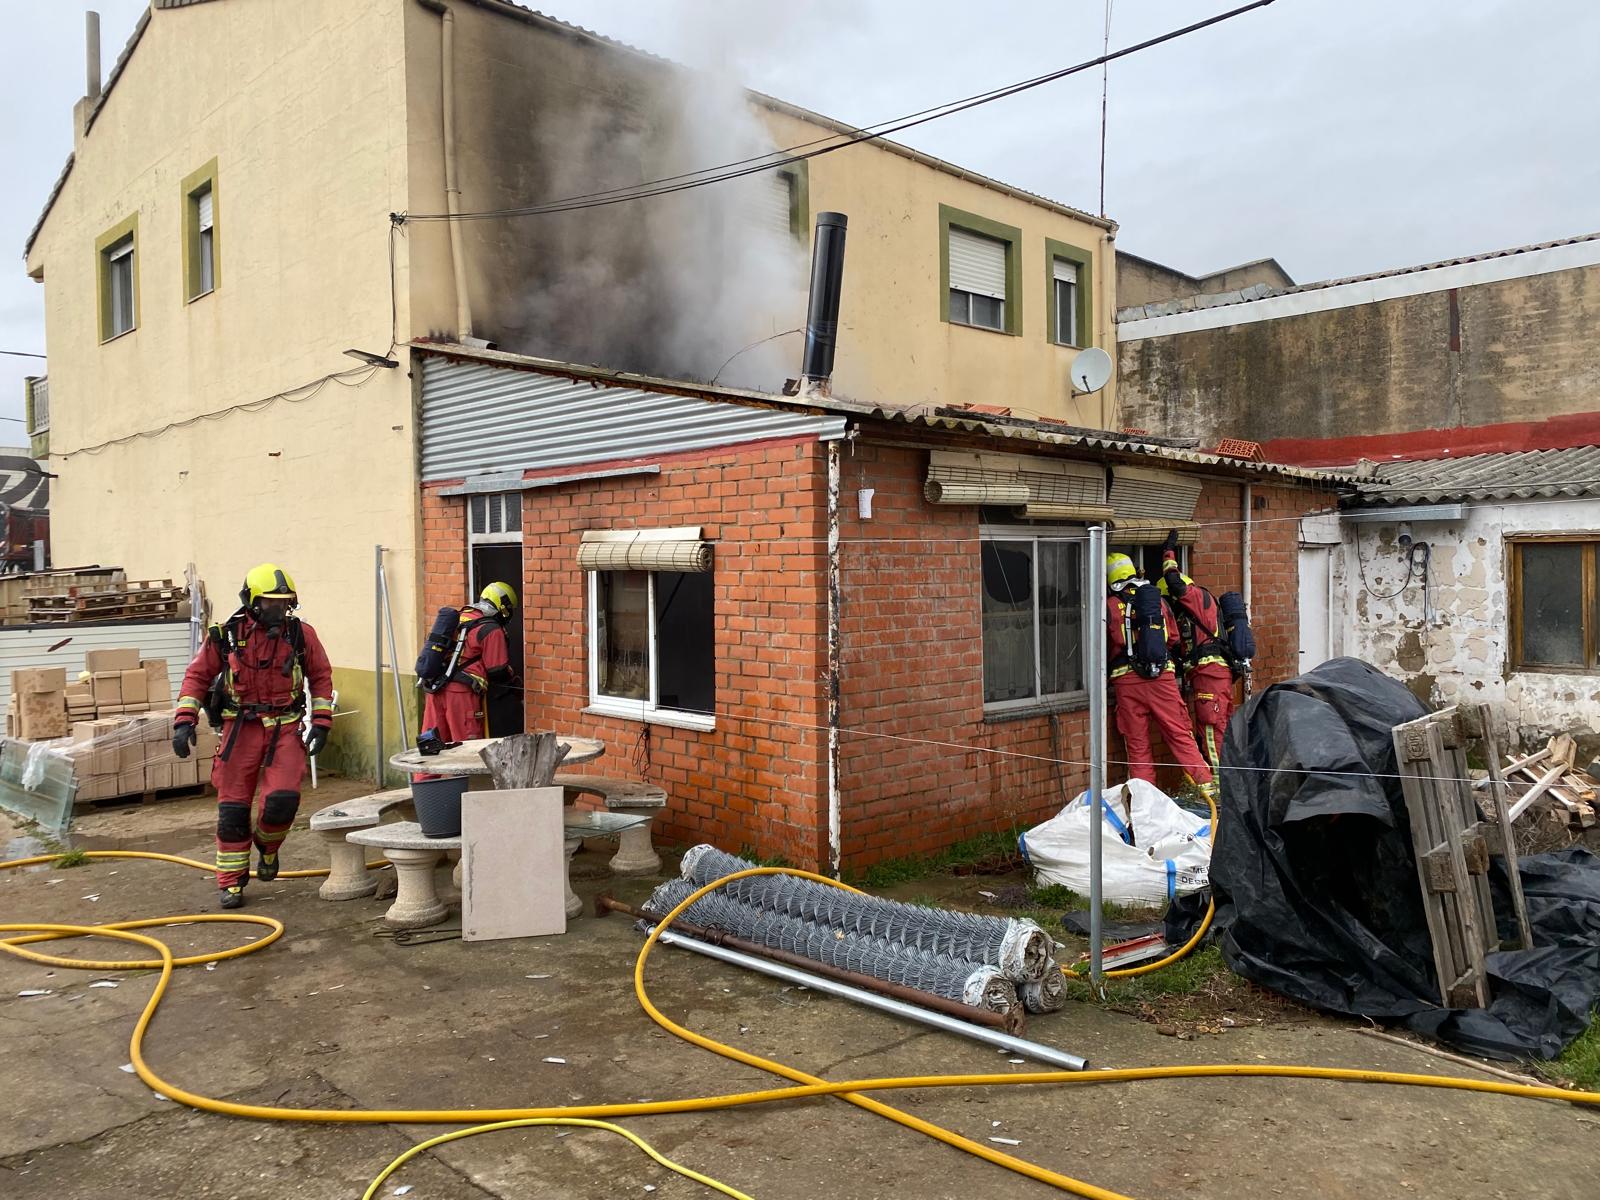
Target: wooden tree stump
(524, 760)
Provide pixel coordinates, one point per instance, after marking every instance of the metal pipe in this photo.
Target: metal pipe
(394, 659)
(377, 664)
(1011, 1022)
(835, 652)
(1244, 549)
(452, 184)
(1095, 659)
(822, 312)
(91, 48)
(911, 1012)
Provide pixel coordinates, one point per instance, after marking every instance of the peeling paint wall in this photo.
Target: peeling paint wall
(1449, 640)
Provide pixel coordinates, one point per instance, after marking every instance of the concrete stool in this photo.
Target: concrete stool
(635, 855)
(416, 903)
(348, 877)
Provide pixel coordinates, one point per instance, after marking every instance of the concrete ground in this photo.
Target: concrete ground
(335, 1016)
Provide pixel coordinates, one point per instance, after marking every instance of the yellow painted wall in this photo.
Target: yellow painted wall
(893, 348)
(302, 106)
(526, 93)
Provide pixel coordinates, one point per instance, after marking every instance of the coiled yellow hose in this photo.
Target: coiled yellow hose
(806, 1085)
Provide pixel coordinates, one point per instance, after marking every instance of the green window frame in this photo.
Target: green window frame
(1012, 237)
(200, 243)
(1054, 252)
(117, 244)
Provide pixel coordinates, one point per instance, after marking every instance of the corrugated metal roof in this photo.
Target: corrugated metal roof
(479, 418)
(1518, 475)
(465, 454)
(1260, 291)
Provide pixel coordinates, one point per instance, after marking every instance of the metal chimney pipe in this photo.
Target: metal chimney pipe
(91, 47)
(822, 314)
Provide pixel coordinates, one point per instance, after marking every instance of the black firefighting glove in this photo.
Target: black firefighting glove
(316, 739)
(183, 736)
(1169, 548)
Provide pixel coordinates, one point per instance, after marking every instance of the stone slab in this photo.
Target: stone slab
(402, 835)
(514, 864)
(360, 812)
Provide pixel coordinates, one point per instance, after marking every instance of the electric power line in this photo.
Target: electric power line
(20, 354)
(738, 169)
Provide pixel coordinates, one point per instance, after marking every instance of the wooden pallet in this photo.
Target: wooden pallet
(1453, 842)
(145, 600)
(186, 792)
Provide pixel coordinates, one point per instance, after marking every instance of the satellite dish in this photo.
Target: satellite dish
(1091, 370)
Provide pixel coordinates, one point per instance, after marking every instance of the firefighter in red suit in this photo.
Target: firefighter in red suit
(1140, 700)
(457, 710)
(252, 671)
(1207, 674)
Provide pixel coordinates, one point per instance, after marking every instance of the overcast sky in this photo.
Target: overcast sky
(1339, 136)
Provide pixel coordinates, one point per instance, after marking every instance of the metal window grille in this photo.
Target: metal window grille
(495, 517)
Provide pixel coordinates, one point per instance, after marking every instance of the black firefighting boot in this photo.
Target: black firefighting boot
(267, 867)
(233, 897)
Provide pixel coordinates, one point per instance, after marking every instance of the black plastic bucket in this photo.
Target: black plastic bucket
(438, 804)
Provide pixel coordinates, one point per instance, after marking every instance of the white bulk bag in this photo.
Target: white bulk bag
(1169, 853)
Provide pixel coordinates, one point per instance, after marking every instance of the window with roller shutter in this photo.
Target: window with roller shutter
(979, 262)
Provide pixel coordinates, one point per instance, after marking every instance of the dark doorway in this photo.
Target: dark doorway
(503, 563)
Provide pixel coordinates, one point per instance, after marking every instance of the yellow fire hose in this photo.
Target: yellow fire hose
(806, 1085)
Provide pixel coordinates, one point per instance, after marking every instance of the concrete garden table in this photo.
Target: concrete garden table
(467, 759)
(415, 855)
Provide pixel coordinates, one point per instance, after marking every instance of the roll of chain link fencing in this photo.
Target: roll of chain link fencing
(1019, 949)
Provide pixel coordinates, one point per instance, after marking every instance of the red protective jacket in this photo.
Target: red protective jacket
(485, 651)
(1199, 619)
(265, 676)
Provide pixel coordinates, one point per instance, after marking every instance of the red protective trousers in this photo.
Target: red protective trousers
(458, 712)
(1211, 703)
(265, 761)
(1140, 701)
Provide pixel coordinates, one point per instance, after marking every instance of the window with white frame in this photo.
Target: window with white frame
(651, 643)
(1064, 279)
(977, 280)
(1033, 617)
(205, 265)
(652, 651)
(117, 269)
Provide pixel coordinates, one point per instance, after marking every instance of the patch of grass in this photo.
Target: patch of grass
(1056, 895)
(983, 849)
(72, 858)
(1579, 1063)
(1189, 976)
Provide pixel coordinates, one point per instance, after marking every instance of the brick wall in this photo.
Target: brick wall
(921, 767)
(755, 783)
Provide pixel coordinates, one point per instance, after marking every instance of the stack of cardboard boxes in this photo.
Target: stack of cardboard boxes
(128, 756)
(38, 703)
(118, 714)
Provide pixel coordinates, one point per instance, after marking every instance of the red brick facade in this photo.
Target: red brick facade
(920, 765)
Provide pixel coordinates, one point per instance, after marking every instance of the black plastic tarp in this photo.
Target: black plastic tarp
(1316, 886)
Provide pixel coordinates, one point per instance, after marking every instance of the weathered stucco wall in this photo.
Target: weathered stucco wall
(1517, 350)
(1462, 652)
(1140, 281)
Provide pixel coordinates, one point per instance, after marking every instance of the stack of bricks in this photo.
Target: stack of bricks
(131, 756)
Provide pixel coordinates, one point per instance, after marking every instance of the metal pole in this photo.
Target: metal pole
(394, 659)
(898, 1008)
(377, 665)
(1096, 659)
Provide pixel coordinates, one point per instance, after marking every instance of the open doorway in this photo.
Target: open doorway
(502, 562)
